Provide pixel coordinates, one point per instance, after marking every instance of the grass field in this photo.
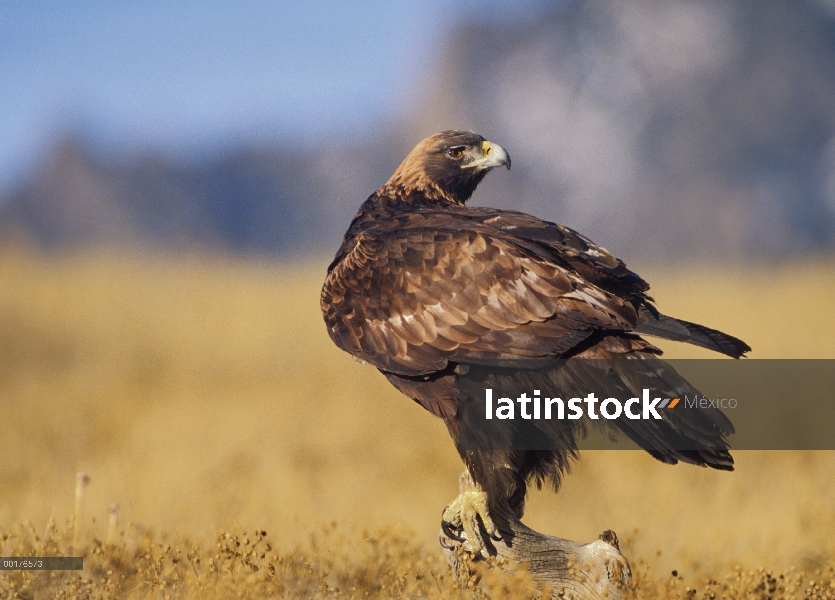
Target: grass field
(205, 398)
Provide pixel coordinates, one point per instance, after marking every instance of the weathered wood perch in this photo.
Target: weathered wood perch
(573, 570)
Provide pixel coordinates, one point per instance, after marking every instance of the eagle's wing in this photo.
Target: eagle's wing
(409, 296)
(562, 245)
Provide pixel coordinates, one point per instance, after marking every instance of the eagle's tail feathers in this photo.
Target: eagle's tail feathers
(669, 328)
(716, 340)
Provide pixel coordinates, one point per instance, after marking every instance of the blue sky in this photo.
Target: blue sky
(185, 76)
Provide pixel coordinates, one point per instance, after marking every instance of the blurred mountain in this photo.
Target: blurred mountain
(683, 127)
(656, 127)
(253, 198)
(247, 199)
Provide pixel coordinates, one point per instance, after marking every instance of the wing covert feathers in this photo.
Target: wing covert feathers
(410, 301)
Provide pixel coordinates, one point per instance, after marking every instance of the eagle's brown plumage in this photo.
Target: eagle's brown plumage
(423, 282)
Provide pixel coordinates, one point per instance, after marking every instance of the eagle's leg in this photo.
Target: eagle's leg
(516, 501)
(467, 520)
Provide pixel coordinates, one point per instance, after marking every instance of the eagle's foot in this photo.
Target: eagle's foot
(465, 519)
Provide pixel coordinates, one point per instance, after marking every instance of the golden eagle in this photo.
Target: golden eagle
(423, 282)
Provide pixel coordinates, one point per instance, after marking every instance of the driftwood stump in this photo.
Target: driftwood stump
(572, 570)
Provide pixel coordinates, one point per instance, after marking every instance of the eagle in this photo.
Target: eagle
(424, 284)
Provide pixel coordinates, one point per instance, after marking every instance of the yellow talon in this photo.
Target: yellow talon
(463, 514)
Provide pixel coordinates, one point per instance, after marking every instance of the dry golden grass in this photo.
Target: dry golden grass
(204, 396)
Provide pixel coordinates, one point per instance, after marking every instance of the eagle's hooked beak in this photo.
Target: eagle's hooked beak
(492, 155)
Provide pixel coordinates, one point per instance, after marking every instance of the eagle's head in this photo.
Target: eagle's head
(447, 166)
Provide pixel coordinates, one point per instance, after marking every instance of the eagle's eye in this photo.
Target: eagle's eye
(456, 152)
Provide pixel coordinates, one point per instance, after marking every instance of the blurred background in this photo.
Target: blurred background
(175, 177)
(707, 127)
